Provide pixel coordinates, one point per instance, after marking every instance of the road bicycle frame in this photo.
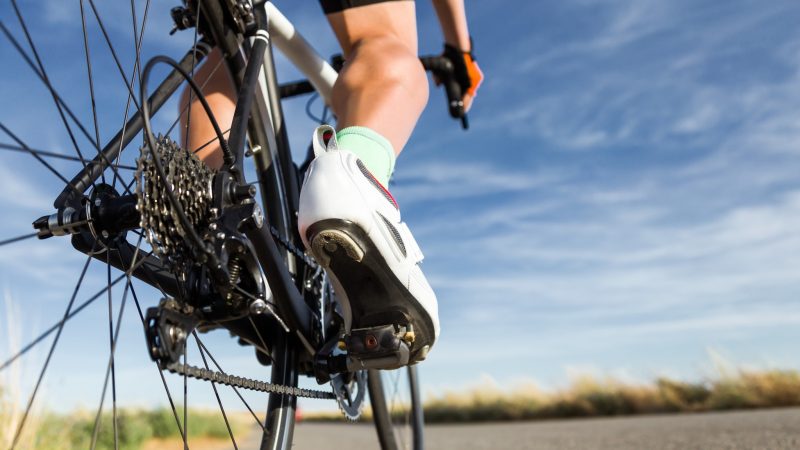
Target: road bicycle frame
(303, 335)
(276, 172)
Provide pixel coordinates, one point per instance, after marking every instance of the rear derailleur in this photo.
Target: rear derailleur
(219, 275)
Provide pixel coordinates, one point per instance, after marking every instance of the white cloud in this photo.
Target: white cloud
(22, 192)
(431, 180)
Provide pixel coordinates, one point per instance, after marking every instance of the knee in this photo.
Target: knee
(387, 61)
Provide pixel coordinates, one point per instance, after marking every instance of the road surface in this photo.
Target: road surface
(764, 429)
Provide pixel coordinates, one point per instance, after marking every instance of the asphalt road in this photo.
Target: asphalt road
(764, 429)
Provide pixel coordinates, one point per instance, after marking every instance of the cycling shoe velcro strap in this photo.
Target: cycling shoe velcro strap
(412, 248)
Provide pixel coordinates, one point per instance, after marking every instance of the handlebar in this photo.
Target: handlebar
(442, 69)
(439, 66)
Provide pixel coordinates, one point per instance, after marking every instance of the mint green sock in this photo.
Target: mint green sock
(374, 150)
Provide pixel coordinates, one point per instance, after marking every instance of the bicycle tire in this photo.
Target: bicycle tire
(280, 408)
(399, 423)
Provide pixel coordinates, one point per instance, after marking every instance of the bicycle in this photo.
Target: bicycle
(218, 261)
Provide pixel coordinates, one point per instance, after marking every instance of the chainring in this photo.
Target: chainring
(191, 182)
(350, 394)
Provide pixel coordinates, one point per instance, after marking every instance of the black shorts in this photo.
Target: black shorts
(332, 6)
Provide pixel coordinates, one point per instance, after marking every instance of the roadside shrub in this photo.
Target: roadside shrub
(773, 388)
(133, 429)
(681, 396)
(588, 397)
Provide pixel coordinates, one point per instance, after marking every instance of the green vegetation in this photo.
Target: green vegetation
(585, 397)
(134, 428)
(588, 397)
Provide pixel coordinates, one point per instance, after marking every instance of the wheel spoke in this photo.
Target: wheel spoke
(186, 106)
(191, 94)
(46, 80)
(205, 349)
(158, 369)
(16, 148)
(49, 354)
(60, 102)
(113, 53)
(265, 349)
(137, 69)
(17, 239)
(394, 378)
(70, 121)
(141, 316)
(216, 393)
(89, 75)
(214, 139)
(30, 63)
(395, 384)
(185, 405)
(112, 338)
(39, 158)
(137, 39)
(114, 335)
(130, 76)
(72, 314)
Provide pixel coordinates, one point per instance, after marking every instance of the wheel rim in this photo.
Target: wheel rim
(107, 300)
(397, 412)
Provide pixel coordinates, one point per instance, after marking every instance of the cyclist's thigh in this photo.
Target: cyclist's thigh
(354, 20)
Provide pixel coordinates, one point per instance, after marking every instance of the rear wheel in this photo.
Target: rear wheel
(397, 408)
(86, 62)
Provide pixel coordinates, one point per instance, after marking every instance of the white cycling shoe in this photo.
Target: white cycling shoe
(351, 224)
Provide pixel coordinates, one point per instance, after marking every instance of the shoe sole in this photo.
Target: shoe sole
(375, 296)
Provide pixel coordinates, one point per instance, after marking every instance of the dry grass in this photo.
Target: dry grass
(195, 444)
(34, 434)
(584, 397)
(588, 397)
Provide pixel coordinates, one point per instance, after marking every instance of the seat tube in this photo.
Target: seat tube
(281, 134)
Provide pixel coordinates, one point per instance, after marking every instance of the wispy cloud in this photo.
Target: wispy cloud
(629, 186)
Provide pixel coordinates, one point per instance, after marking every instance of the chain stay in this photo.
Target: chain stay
(245, 383)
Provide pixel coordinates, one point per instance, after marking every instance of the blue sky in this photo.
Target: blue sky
(627, 201)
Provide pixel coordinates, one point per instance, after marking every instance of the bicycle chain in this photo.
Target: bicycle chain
(287, 244)
(245, 383)
(188, 175)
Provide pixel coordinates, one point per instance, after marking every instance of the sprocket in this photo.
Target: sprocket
(350, 390)
(191, 181)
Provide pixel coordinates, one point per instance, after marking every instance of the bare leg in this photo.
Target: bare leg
(383, 85)
(221, 97)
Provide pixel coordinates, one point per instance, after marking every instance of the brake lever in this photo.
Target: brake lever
(442, 69)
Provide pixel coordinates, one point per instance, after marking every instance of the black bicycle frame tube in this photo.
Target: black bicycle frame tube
(270, 169)
(417, 415)
(245, 101)
(282, 139)
(295, 312)
(260, 134)
(95, 168)
(148, 269)
(281, 408)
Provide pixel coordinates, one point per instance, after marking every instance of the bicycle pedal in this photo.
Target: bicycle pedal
(380, 347)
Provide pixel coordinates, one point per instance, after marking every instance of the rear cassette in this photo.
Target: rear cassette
(191, 181)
